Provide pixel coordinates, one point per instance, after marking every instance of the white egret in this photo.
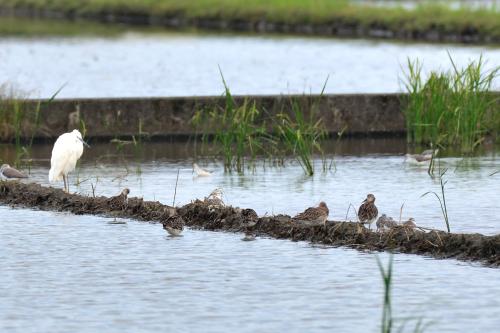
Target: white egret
(66, 152)
(7, 172)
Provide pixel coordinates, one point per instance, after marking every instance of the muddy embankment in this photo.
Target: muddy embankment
(200, 215)
(337, 26)
(170, 118)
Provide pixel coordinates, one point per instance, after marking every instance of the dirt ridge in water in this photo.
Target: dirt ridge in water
(200, 215)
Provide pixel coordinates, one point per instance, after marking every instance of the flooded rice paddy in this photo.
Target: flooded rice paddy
(89, 273)
(137, 64)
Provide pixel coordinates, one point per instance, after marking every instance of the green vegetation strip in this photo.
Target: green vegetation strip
(204, 215)
(436, 17)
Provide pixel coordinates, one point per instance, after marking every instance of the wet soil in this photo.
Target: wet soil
(208, 216)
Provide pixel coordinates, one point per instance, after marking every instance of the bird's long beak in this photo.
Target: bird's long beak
(364, 200)
(84, 143)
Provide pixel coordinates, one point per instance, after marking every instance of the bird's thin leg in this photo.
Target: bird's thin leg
(64, 179)
(67, 183)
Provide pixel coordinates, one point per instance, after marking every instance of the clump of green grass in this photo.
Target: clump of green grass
(238, 131)
(301, 135)
(454, 108)
(243, 132)
(19, 119)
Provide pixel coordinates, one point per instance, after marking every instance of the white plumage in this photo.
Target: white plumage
(201, 172)
(66, 152)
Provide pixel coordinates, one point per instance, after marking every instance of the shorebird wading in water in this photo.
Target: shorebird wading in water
(200, 172)
(66, 152)
(423, 157)
(314, 214)
(7, 172)
(368, 212)
(174, 225)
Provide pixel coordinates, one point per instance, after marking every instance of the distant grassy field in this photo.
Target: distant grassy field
(422, 18)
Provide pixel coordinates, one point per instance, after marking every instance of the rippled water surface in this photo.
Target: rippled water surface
(63, 273)
(187, 64)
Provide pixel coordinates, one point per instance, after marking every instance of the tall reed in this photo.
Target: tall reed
(454, 108)
(301, 135)
(238, 130)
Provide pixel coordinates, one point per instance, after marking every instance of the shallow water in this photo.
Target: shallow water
(137, 64)
(85, 274)
(66, 273)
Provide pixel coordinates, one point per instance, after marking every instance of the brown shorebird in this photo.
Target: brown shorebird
(314, 214)
(385, 222)
(410, 223)
(7, 172)
(368, 212)
(174, 225)
(119, 201)
(249, 236)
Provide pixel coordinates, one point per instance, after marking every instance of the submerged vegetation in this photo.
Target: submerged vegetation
(402, 22)
(454, 108)
(243, 132)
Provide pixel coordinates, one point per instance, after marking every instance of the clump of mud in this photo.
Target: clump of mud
(203, 215)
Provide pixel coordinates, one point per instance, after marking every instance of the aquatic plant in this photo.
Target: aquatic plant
(442, 198)
(301, 136)
(387, 320)
(238, 130)
(454, 108)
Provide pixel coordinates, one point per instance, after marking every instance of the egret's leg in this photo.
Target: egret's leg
(67, 182)
(64, 179)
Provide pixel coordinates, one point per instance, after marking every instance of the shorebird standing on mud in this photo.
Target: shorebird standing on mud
(410, 223)
(7, 172)
(314, 214)
(119, 201)
(368, 212)
(385, 222)
(174, 225)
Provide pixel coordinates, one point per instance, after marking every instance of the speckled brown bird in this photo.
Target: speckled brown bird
(7, 172)
(174, 225)
(314, 214)
(119, 201)
(368, 212)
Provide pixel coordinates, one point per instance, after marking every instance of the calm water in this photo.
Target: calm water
(186, 65)
(85, 274)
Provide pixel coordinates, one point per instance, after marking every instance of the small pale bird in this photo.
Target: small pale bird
(424, 156)
(385, 222)
(174, 225)
(314, 214)
(368, 212)
(7, 172)
(410, 223)
(119, 201)
(214, 199)
(201, 172)
(68, 148)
